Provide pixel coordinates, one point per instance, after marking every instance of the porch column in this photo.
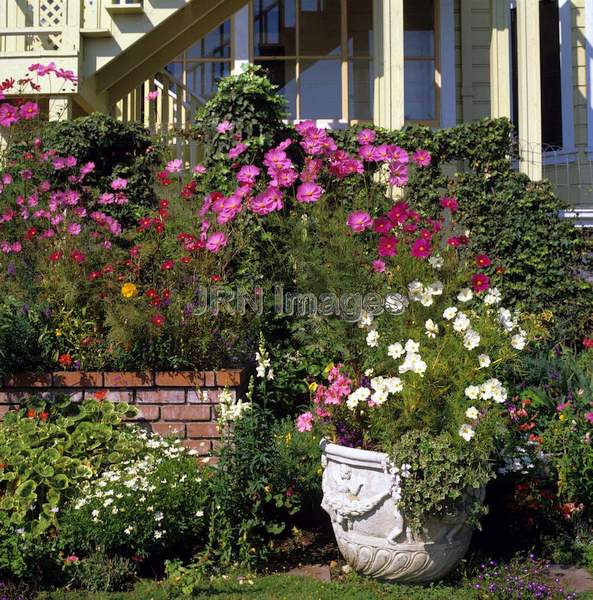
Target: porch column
(529, 92)
(388, 25)
(60, 108)
(500, 59)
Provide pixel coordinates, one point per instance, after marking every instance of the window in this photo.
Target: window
(319, 54)
(202, 65)
(420, 56)
(550, 73)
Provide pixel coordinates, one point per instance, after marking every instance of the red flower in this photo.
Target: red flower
(215, 278)
(65, 360)
(31, 413)
(482, 261)
(100, 395)
(480, 282)
(77, 256)
(43, 416)
(166, 295)
(158, 320)
(31, 233)
(55, 256)
(167, 265)
(185, 260)
(588, 343)
(152, 293)
(94, 275)
(164, 204)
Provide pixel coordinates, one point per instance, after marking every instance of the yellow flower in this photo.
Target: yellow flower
(327, 369)
(288, 438)
(58, 332)
(562, 417)
(313, 386)
(129, 290)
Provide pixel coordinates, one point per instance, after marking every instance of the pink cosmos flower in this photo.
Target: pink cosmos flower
(7, 179)
(382, 225)
(422, 158)
(237, 150)
(70, 161)
(247, 174)
(8, 115)
(74, 229)
(284, 178)
(29, 110)
(359, 220)
(379, 266)
(106, 198)
(367, 152)
(366, 136)
(304, 422)
(267, 202)
(216, 241)
(398, 155)
(450, 203)
(276, 159)
(421, 249)
(224, 127)
(119, 184)
(482, 261)
(398, 174)
(199, 169)
(152, 95)
(309, 192)
(174, 166)
(387, 245)
(398, 213)
(589, 417)
(87, 168)
(66, 74)
(480, 282)
(72, 558)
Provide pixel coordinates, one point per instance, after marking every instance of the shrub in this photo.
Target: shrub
(101, 573)
(150, 507)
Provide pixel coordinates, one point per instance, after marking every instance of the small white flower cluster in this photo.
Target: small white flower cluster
(230, 408)
(412, 360)
(417, 292)
(382, 387)
(462, 325)
(436, 262)
(489, 390)
(505, 318)
(263, 369)
(396, 475)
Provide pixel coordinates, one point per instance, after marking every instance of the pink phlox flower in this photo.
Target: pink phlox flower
(304, 422)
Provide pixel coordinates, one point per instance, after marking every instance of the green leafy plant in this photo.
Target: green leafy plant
(101, 573)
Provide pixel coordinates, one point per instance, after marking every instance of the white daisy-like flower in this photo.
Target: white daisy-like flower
(472, 413)
(450, 313)
(199, 513)
(461, 322)
(493, 296)
(359, 395)
(396, 350)
(493, 390)
(413, 362)
(432, 329)
(436, 288)
(372, 338)
(465, 295)
(366, 319)
(426, 299)
(412, 346)
(436, 262)
(471, 339)
(466, 432)
(393, 385)
(518, 342)
(472, 392)
(505, 318)
(159, 534)
(484, 361)
(415, 291)
(379, 396)
(369, 372)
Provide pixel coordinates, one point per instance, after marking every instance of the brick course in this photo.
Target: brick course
(183, 403)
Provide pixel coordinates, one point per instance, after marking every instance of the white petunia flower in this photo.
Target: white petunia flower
(436, 262)
(359, 395)
(484, 361)
(493, 390)
(395, 351)
(450, 313)
(200, 513)
(472, 413)
(518, 342)
(465, 295)
(426, 299)
(415, 291)
(466, 432)
(373, 338)
(472, 392)
(461, 322)
(432, 328)
(436, 288)
(393, 385)
(471, 339)
(412, 346)
(379, 396)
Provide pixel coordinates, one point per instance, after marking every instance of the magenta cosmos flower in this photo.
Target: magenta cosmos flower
(482, 261)
(174, 166)
(8, 115)
(379, 266)
(421, 249)
(359, 220)
(480, 282)
(119, 184)
(29, 110)
(152, 95)
(387, 245)
(216, 241)
(309, 192)
(237, 150)
(224, 126)
(382, 225)
(422, 158)
(366, 136)
(450, 203)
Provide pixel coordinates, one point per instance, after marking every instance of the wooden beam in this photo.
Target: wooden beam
(162, 44)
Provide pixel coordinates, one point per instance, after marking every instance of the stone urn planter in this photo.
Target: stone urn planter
(371, 532)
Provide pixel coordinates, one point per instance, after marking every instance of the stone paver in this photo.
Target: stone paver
(319, 572)
(573, 579)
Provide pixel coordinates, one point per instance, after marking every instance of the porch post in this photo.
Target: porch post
(500, 59)
(388, 23)
(529, 92)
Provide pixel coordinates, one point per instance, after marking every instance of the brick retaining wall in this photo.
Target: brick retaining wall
(183, 403)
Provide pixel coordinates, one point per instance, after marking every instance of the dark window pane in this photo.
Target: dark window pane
(419, 90)
(360, 90)
(360, 28)
(274, 27)
(216, 44)
(551, 84)
(321, 89)
(283, 74)
(202, 78)
(419, 27)
(320, 27)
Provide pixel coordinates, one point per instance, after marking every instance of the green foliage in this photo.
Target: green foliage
(151, 507)
(252, 104)
(264, 476)
(536, 254)
(118, 149)
(101, 573)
